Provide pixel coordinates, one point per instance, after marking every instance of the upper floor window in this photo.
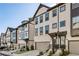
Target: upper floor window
(75, 22)
(36, 32)
(36, 20)
(54, 13)
(14, 34)
(46, 16)
(46, 29)
(41, 18)
(41, 30)
(54, 25)
(62, 8)
(62, 23)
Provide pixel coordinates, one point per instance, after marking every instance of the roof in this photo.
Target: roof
(49, 8)
(41, 5)
(11, 29)
(55, 6)
(22, 24)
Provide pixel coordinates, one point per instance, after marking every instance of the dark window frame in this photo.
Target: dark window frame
(46, 16)
(54, 13)
(36, 20)
(41, 18)
(62, 23)
(36, 31)
(46, 29)
(41, 30)
(53, 25)
(61, 8)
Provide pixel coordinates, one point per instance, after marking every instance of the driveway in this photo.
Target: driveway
(29, 53)
(73, 55)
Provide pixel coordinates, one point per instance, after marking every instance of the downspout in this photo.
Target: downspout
(58, 29)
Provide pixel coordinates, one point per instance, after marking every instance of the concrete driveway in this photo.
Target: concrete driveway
(29, 53)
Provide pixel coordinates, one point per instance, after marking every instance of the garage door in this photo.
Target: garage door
(74, 47)
(42, 45)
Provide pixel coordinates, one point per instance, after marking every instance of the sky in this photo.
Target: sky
(11, 14)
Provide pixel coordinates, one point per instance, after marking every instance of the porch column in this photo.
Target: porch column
(53, 44)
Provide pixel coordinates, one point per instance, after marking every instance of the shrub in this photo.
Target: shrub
(64, 53)
(27, 48)
(22, 48)
(50, 53)
(40, 53)
(32, 47)
(47, 50)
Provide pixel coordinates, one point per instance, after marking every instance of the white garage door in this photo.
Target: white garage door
(74, 47)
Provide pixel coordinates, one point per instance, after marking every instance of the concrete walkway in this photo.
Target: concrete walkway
(29, 53)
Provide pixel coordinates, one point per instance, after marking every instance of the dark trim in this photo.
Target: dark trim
(22, 25)
(41, 5)
(58, 33)
(71, 29)
(71, 19)
(16, 36)
(43, 42)
(68, 46)
(55, 6)
(48, 9)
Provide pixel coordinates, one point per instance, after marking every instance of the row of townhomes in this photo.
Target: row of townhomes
(50, 28)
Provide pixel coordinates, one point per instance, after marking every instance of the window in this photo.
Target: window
(46, 16)
(36, 20)
(54, 13)
(62, 23)
(41, 30)
(46, 29)
(36, 32)
(54, 25)
(41, 18)
(62, 8)
(75, 22)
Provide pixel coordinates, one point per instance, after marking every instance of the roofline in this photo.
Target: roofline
(49, 8)
(38, 9)
(57, 5)
(8, 28)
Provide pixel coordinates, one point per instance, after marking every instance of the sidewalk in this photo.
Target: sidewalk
(29, 53)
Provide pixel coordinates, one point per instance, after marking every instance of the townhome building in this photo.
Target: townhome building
(57, 27)
(22, 34)
(25, 35)
(13, 40)
(2, 40)
(9, 36)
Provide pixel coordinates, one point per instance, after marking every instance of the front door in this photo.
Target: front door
(62, 41)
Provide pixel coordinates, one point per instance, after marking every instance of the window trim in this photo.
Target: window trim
(36, 34)
(41, 18)
(36, 20)
(64, 6)
(54, 12)
(63, 23)
(54, 25)
(46, 16)
(46, 29)
(41, 32)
